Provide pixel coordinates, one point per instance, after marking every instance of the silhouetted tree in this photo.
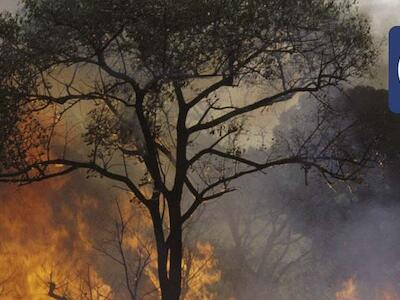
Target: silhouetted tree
(153, 79)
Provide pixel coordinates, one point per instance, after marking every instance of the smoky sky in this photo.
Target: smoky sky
(8, 5)
(383, 14)
(368, 234)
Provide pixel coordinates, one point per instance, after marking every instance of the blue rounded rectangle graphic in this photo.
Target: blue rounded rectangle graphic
(394, 69)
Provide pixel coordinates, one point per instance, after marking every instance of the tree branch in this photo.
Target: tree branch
(73, 165)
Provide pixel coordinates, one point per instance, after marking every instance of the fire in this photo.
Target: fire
(388, 296)
(200, 272)
(38, 248)
(349, 291)
(46, 248)
(199, 266)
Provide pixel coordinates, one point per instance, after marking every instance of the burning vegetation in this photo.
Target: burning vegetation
(351, 291)
(50, 249)
(124, 121)
(43, 243)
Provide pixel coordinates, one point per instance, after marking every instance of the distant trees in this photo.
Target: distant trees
(348, 222)
(127, 247)
(152, 80)
(282, 234)
(266, 246)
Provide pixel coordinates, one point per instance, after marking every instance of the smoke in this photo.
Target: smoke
(351, 229)
(368, 248)
(382, 15)
(10, 5)
(334, 232)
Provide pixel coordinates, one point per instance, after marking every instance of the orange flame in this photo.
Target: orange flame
(42, 244)
(37, 248)
(350, 291)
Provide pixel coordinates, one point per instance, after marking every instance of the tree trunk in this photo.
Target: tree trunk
(169, 253)
(176, 252)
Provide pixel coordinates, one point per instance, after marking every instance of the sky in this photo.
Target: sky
(8, 4)
(383, 14)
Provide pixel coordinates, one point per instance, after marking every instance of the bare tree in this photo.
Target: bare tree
(85, 286)
(132, 260)
(152, 78)
(264, 244)
(128, 245)
(265, 247)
